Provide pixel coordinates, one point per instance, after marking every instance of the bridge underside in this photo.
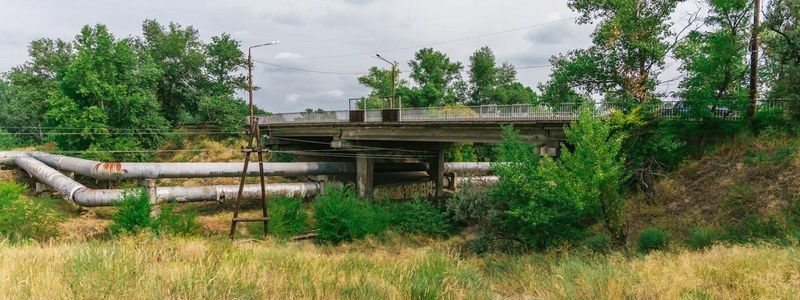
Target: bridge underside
(399, 142)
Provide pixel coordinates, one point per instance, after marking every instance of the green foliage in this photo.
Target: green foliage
(22, 218)
(225, 111)
(286, 217)
(701, 238)
(600, 243)
(417, 216)
(544, 202)
(470, 206)
(122, 95)
(492, 84)
(652, 239)
(8, 141)
(781, 33)
(340, 216)
(436, 77)
(133, 212)
(169, 222)
(134, 215)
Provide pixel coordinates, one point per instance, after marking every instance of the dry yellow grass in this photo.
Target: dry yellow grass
(143, 267)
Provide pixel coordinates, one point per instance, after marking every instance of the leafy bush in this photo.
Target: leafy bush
(543, 202)
(286, 217)
(22, 218)
(600, 243)
(701, 238)
(133, 212)
(418, 216)
(171, 223)
(7, 140)
(652, 239)
(470, 205)
(340, 216)
(133, 215)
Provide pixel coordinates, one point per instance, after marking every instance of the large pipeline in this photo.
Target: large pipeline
(127, 170)
(43, 166)
(70, 189)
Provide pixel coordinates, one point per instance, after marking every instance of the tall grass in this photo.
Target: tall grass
(24, 218)
(147, 267)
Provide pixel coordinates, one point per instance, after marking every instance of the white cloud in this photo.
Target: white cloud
(287, 55)
(334, 93)
(293, 97)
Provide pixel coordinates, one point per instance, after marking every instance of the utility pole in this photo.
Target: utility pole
(394, 79)
(754, 47)
(253, 145)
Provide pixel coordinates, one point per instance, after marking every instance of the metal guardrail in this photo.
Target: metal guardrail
(517, 112)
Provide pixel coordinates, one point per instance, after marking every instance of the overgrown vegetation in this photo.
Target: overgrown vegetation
(652, 239)
(23, 218)
(286, 217)
(134, 214)
(544, 202)
(341, 216)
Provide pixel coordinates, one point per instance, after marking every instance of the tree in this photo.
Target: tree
(782, 43)
(24, 102)
(109, 92)
(492, 84)
(435, 76)
(224, 61)
(630, 44)
(179, 53)
(714, 64)
(379, 81)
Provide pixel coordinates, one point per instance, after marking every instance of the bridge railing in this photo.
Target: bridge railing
(520, 112)
(336, 116)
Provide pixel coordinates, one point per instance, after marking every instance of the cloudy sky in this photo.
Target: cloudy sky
(331, 35)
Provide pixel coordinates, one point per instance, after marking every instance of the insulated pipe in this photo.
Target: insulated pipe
(121, 171)
(468, 167)
(70, 189)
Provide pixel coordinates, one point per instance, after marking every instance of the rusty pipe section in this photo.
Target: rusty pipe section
(122, 171)
(70, 189)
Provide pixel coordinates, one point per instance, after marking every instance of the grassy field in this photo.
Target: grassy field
(154, 268)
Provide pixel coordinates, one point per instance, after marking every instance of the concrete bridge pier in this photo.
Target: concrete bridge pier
(436, 173)
(365, 175)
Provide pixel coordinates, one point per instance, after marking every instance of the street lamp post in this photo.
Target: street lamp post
(394, 78)
(250, 75)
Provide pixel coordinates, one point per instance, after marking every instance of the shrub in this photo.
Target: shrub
(8, 141)
(340, 216)
(701, 238)
(133, 212)
(418, 217)
(540, 203)
(652, 239)
(171, 223)
(286, 217)
(22, 218)
(133, 215)
(600, 243)
(470, 205)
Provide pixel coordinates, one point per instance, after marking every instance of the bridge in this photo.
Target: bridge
(421, 134)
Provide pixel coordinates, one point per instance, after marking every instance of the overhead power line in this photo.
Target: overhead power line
(309, 70)
(437, 43)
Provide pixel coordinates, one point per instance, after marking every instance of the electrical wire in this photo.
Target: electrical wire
(438, 43)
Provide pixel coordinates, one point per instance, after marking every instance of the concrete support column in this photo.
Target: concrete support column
(436, 173)
(365, 175)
